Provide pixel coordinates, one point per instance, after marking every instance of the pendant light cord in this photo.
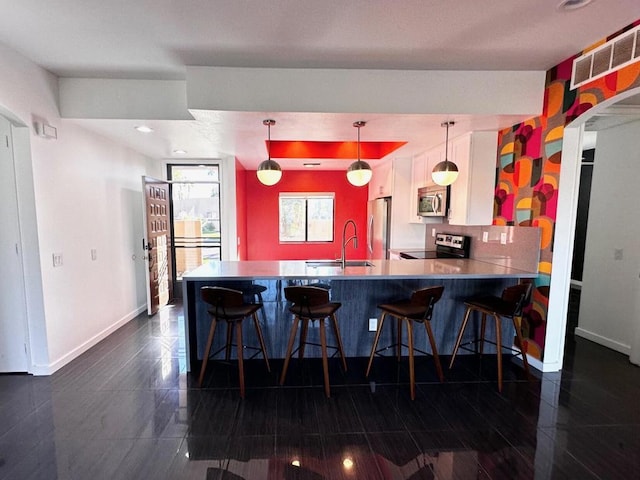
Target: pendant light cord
(269, 136)
(446, 145)
(359, 142)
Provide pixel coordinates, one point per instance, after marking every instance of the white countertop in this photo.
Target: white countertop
(381, 269)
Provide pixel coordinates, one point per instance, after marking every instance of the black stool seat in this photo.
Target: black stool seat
(419, 308)
(310, 304)
(508, 305)
(227, 305)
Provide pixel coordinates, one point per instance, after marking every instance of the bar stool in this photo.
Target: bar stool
(508, 305)
(226, 304)
(419, 308)
(255, 290)
(311, 304)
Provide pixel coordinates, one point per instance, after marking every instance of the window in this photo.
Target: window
(196, 215)
(306, 217)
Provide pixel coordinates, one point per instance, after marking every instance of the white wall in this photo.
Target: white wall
(610, 285)
(76, 193)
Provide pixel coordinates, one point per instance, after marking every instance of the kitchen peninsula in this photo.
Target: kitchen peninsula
(359, 288)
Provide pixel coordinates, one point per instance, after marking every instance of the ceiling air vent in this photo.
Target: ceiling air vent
(608, 57)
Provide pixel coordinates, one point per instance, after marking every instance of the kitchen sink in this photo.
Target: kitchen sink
(338, 263)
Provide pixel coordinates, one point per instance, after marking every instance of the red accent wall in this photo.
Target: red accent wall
(241, 210)
(262, 215)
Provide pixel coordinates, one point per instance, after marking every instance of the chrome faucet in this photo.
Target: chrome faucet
(345, 240)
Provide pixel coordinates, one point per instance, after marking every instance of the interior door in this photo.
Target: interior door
(157, 243)
(13, 310)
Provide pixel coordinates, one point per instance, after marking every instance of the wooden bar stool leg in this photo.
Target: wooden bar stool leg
(303, 337)
(207, 351)
(525, 362)
(264, 313)
(325, 361)
(399, 338)
(336, 333)
(460, 335)
(434, 350)
(261, 340)
(375, 342)
(287, 357)
(483, 326)
(499, 350)
(240, 347)
(227, 348)
(412, 373)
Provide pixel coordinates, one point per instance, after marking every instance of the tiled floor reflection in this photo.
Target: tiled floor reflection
(127, 409)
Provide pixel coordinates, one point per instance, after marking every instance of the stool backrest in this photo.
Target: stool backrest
(427, 297)
(518, 295)
(222, 298)
(304, 298)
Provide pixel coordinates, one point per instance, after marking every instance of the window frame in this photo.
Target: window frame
(306, 196)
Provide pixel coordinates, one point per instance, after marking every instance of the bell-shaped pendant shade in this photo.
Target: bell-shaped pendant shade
(269, 172)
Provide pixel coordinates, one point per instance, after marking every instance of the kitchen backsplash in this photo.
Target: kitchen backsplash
(521, 250)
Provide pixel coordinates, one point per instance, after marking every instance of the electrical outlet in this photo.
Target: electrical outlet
(373, 324)
(485, 237)
(503, 238)
(433, 232)
(94, 254)
(617, 254)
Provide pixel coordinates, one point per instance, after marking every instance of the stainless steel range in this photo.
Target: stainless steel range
(447, 246)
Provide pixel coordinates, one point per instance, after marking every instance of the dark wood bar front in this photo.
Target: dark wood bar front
(359, 289)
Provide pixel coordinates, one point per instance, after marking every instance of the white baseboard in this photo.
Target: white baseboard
(43, 370)
(604, 341)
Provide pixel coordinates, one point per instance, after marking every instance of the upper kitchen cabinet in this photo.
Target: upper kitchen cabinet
(381, 184)
(471, 197)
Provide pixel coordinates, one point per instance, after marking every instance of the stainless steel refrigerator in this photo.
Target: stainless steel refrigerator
(378, 228)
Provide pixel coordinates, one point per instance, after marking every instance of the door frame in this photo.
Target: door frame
(19, 290)
(560, 283)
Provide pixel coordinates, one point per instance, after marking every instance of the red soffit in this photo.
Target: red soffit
(339, 150)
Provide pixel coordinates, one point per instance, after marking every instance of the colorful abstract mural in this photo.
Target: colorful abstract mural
(529, 158)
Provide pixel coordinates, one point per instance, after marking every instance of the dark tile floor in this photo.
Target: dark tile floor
(127, 409)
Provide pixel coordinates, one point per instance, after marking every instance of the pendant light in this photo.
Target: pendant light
(359, 172)
(445, 172)
(269, 172)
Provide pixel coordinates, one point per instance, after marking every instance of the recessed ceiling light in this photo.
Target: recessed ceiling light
(179, 151)
(144, 129)
(311, 164)
(573, 4)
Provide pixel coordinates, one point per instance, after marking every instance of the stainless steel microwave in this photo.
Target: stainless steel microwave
(432, 201)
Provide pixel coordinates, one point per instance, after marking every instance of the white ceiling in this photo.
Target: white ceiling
(156, 39)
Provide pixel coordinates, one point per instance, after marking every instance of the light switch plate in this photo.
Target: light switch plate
(373, 324)
(503, 238)
(57, 259)
(94, 254)
(433, 232)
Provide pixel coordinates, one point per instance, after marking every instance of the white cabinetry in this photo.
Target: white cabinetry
(381, 184)
(471, 195)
